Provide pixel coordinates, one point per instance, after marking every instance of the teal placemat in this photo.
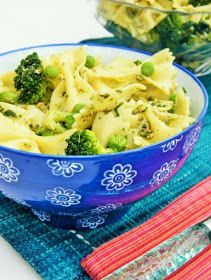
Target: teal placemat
(56, 254)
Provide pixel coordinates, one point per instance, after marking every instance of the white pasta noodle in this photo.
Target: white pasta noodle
(164, 74)
(111, 125)
(22, 144)
(117, 99)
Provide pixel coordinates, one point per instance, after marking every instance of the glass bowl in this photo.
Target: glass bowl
(186, 33)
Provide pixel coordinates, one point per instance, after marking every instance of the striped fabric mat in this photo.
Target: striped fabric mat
(189, 209)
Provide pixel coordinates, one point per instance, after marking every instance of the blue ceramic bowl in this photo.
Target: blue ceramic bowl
(84, 192)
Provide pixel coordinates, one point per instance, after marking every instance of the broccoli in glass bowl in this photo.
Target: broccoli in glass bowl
(182, 26)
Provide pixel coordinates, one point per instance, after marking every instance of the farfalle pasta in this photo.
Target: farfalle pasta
(159, 24)
(138, 101)
(139, 21)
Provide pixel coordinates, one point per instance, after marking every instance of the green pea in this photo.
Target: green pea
(77, 108)
(90, 61)
(69, 121)
(51, 71)
(9, 97)
(147, 69)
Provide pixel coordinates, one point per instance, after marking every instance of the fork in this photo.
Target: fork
(203, 69)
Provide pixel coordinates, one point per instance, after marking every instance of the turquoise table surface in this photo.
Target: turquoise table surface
(56, 254)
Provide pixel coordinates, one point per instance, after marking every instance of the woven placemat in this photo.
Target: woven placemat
(56, 254)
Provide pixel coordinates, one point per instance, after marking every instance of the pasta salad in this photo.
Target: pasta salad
(72, 103)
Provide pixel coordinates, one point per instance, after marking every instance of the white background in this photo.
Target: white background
(34, 22)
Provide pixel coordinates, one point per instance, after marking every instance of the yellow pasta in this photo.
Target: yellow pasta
(141, 17)
(164, 74)
(111, 125)
(115, 98)
(22, 144)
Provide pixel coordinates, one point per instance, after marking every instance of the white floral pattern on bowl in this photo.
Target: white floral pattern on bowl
(191, 139)
(107, 208)
(8, 172)
(92, 222)
(18, 200)
(170, 146)
(163, 173)
(43, 216)
(119, 177)
(63, 197)
(64, 168)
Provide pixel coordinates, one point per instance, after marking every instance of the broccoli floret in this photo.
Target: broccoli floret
(196, 3)
(83, 142)
(117, 143)
(170, 31)
(30, 80)
(174, 33)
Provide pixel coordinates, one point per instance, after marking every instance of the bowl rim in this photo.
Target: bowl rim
(129, 152)
(139, 7)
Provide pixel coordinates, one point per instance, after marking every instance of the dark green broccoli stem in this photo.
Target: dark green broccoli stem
(196, 3)
(30, 80)
(117, 143)
(83, 142)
